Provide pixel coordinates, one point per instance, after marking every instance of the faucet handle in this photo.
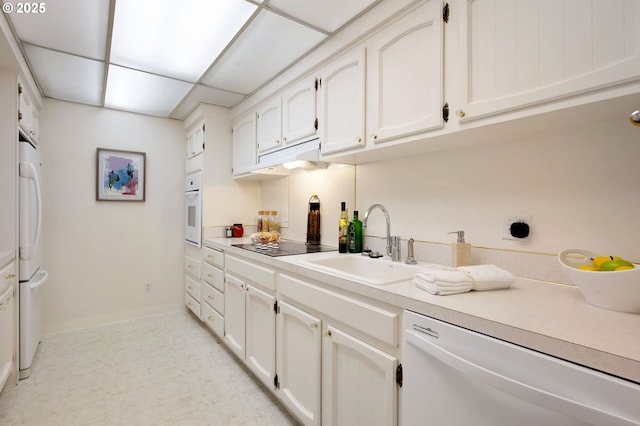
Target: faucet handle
(410, 259)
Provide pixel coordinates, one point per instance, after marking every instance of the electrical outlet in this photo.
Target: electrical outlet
(507, 232)
(148, 287)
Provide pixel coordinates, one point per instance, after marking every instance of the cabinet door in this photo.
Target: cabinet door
(195, 141)
(261, 334)
(234, 315)
(518, 54)
(299, 112)
(342, 98)
(405, 75)
(359, 386)
(244, 144)
(298, 355)
(269, 125)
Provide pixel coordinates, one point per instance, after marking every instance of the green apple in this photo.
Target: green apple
(612, 265)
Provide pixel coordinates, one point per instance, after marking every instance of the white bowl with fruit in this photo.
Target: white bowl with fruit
(606, 281)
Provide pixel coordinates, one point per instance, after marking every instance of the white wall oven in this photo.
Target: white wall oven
(193, 209)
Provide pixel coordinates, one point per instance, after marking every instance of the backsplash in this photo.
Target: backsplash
(578, 185)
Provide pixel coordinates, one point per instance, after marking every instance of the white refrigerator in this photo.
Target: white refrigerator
(32, 276)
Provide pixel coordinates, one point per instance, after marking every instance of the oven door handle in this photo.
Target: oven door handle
(574, 409)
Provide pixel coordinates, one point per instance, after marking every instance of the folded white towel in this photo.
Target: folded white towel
(463, 279)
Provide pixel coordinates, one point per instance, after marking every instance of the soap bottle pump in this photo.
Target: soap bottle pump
(461, 251)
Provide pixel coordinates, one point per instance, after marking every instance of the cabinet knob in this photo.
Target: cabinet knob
(210, 297)
(329, 333)
(9, 277)
(358, 139)
(460, 113)
(374, 137)
(210, 318)
(190, 288)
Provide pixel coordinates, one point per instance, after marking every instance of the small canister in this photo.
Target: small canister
(228, 232)
(237, 230)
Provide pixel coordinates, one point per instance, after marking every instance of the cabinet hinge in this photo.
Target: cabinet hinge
(315, 123)
(318, 84)
(19, 89)
(276, 383)
(399, 375)
(203, 127)
(445, 112)
(445, 13)
(276, 308)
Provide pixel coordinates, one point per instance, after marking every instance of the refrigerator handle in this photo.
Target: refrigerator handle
(42, 277)
(524, 391)
(28, 170)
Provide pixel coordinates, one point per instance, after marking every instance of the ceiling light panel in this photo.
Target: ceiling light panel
(67, 77)
(74, 26)
(137, 91)
(265, 48)
(178, 39)
(328, 15)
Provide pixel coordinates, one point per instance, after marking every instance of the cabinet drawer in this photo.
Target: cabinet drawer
(192, 266)
(213, 297)
(213, 276)
(213, 319)
(372, 320)
(192, 304)
(192, 287)
(7, 276)
(213, 257)
(253, 273)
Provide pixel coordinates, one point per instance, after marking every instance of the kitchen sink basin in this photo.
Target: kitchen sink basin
(364, 269)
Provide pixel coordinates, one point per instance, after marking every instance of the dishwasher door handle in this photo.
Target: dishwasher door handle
(561, 404)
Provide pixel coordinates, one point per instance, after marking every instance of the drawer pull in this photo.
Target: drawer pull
(190, 288)
(9, 277)
(210, 318)
(210, 275)
(210, 297)
(190, 266)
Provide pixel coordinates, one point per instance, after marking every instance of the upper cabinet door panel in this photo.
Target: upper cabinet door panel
(299, 112)
(405, 75)
(342, 102)
(244, 143)
(519, 53)
(269, 125)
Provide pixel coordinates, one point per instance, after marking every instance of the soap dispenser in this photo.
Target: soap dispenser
(461, 251)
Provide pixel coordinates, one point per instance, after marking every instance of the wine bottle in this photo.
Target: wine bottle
(343, 229)
(355, 234)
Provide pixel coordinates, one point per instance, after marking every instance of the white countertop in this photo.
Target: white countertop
(551, 318)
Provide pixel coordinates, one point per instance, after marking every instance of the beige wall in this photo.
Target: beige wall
(100, 254)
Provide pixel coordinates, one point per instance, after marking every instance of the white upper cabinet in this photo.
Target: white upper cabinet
(269, 125)
(405, 75)
(523, 53)
(244, 143)
(342, 102)
(299, 113)
(28, 115)
(195, 141)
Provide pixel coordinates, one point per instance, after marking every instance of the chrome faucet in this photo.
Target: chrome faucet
(393, 250)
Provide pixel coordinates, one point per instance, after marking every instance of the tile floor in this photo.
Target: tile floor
(162, 370)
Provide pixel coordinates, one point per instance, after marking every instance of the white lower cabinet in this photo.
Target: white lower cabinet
(192, 286)
(299, 341)
(7, 322)
(359, 360)
(250, 318)
(213, 290)
(359, 382)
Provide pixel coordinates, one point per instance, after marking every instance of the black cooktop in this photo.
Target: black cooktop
(286, 248)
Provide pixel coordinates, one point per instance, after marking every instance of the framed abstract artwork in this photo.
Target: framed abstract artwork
(120, 175)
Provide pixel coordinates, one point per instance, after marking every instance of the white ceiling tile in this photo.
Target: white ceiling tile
(180, 40)
(67, 77)
(132, 90)
(73, 26)
(207, 95)
(328, 15)
(265, 48)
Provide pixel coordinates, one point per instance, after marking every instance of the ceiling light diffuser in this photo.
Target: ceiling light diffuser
(178, 39)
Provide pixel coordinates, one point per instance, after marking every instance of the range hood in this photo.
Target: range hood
(292, 159)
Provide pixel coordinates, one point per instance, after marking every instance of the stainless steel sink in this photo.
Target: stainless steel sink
(363, 269)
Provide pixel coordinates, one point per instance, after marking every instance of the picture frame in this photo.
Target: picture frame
(120, 175)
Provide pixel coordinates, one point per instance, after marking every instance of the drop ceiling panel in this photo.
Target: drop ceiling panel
(132, 90)
(180, 41)
(73, 26)
(207, 95)
(67, 77)
(328, 15)
(264, 49)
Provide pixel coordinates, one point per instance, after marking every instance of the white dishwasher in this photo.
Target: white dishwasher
(453, 376)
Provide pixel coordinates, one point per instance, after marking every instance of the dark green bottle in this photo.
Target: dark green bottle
(355, 234)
